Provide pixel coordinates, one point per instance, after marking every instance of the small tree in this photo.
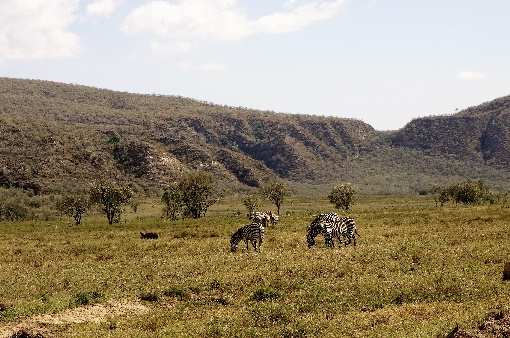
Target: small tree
(342, 196)
(252, 203)
(467, 193)
(134, 204)
(172, 202)
(198, 193)
(276, 192)
(111, 199)
(74, 206)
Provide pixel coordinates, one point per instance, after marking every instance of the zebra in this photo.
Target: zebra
(332, 226)
(264, 218)
(253, 233)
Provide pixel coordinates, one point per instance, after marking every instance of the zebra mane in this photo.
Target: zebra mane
(237, 236)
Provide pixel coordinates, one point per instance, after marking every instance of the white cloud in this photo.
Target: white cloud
(102, 7)
(31, 29)
(186, 65)
(172, 21)
(212, 67)
(471, 76)
(298, 17)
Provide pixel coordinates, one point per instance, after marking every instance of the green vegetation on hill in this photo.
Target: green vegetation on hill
(55, 137)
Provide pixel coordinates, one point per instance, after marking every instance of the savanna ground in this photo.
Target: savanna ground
(417, 271)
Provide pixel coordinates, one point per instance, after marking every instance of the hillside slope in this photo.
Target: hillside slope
(57, 137)
(480, 133)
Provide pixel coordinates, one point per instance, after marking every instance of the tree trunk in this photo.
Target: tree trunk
(77, 219)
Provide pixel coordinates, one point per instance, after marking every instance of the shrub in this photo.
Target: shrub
(175, 293)
(74, 206)
(172, 202)
(14, 205)
(135, 204)
(264, 294)
(342, 196)
(252, 203)
(149, 297)
(13, 211)
(111, 198)
(467, 193)
(87, 298)
(276, 192)
(198, 192)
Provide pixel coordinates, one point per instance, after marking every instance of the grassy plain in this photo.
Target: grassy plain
(417, 271)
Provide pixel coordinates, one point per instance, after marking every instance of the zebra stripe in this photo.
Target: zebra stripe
(332, 226)
(253, 233)
(264, 218)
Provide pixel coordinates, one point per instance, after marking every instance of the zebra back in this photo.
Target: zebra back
(332, 226)
(253, 232)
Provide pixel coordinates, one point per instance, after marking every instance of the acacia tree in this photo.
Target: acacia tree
(252, 203)
(172, 201)
(198, 193)
(111, 199)
(74, 206)
(342, 196)
(276, 192)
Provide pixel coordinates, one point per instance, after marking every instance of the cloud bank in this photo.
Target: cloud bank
(104, 8)
(471, 76)
(36, 29)
(187, 21)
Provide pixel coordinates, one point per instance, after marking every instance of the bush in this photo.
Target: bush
(198, 193)
(111, 198)
(175, 293)
(264, 294)
(14, 205)
(342, 196)
(74, 206)
(276, 192)
(172, 202)
(468, 193)
(13, 211)
(87, 298)
(149, 297)
(252, 203)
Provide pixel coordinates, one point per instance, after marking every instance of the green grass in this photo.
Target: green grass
(417, 271)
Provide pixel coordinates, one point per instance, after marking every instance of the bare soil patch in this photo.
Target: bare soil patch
(92, 313)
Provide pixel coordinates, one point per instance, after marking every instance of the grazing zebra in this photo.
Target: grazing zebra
(264, 218)
(253, 233)
(332, 226)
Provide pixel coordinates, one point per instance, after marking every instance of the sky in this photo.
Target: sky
(381, 61)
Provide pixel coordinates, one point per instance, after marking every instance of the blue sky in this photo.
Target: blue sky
(381, 61)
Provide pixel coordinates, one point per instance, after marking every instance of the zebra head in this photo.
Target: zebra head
(313, 231)
(234, 241)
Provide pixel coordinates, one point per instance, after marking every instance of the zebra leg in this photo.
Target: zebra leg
(340, 239)
(254, 244)
(348, 240)
(329, 241)
(247, 247)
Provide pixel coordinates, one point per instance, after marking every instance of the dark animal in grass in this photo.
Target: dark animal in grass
(506, 272)
(26, 334)
(149, 235)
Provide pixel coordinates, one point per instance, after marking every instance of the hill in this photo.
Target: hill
(56, 137)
